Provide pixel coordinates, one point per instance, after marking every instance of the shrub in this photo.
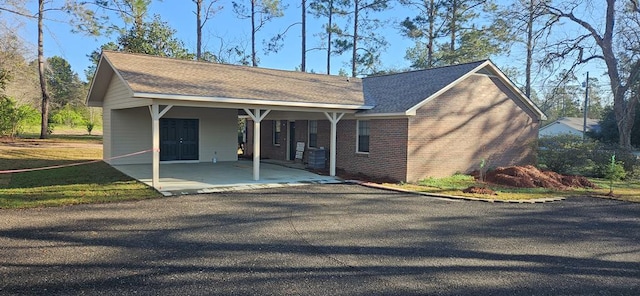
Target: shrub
(614, 171)
(68, 116)
(89, 126)
(565, 154)
(569, 154)
(13, 117)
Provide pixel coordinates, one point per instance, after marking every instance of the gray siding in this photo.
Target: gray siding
(106, 135)
(131, 132)
(119, 96)
(218, 133)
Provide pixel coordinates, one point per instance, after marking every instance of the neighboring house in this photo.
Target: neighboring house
(569, 125)
(404, 126)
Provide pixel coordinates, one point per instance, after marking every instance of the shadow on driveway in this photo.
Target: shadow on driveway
(322, 240)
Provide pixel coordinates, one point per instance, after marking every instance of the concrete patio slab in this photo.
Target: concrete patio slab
(207, 177)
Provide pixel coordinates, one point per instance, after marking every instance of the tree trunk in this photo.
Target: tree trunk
(44, 125)
(354, 54)
(625, 126)
(199, 29)
(452, 25)
(304, 37)
(527, 87)
(623, 110)
(329, 35)
(254, 61)
(432, 23)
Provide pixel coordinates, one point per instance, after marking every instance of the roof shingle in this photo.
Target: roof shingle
(180, 79)
(158, 75)
(395, 93)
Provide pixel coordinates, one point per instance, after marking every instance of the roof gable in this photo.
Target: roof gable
(397, 93)
(404, 93)
(100, 83)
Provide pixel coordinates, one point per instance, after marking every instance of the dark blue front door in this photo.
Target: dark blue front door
(178, 139)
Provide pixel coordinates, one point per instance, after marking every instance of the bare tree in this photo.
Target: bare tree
(329, 9)
(276, 42)
(204, 12)
(363, 32)
(528, 21)
(593, 45)
(260, 12)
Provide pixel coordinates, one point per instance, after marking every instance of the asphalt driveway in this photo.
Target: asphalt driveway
(322, 240)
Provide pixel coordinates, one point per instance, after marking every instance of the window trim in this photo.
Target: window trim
(309, 134)
(276, 132)
(358, 137)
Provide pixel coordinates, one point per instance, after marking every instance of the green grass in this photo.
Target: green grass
(87, 183)
(628, 190)
(457, 181)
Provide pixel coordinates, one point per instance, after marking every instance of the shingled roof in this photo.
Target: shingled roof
(397, 93)
(146, 74)
(387, 95)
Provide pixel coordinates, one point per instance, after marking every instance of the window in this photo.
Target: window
(276, 132)
(363, 136)
(313, 133)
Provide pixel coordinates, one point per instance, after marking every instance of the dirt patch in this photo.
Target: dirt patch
(479, 190)
(531, 177)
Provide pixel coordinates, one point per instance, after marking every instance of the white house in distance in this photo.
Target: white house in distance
(569, 125)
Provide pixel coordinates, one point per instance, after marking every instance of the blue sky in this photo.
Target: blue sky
(179, 15)
(75, 47)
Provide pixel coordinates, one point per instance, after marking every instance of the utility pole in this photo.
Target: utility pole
(586, 108)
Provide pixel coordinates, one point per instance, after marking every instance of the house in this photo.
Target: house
(569, 125)
(402, 126)
(423, 123)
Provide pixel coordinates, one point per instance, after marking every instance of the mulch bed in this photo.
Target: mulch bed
(531, 177)
(513, 176)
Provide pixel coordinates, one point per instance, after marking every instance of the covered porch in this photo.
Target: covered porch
(208, 177)
(193, 108)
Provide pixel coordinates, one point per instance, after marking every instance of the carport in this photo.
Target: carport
(136, 82)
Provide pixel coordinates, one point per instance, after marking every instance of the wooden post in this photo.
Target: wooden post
(257, 118)
(156, 114)
(333, 118)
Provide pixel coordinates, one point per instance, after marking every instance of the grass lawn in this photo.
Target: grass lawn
(88, 183)
(625, 190)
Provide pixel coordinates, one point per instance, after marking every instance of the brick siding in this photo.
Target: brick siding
(477, 119)
(387, 157)
(268, 150)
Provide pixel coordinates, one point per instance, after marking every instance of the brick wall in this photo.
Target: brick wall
(387, 157)
(477, 119)
(268, 150)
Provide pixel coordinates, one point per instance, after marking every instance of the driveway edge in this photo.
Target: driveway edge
(455, 197)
